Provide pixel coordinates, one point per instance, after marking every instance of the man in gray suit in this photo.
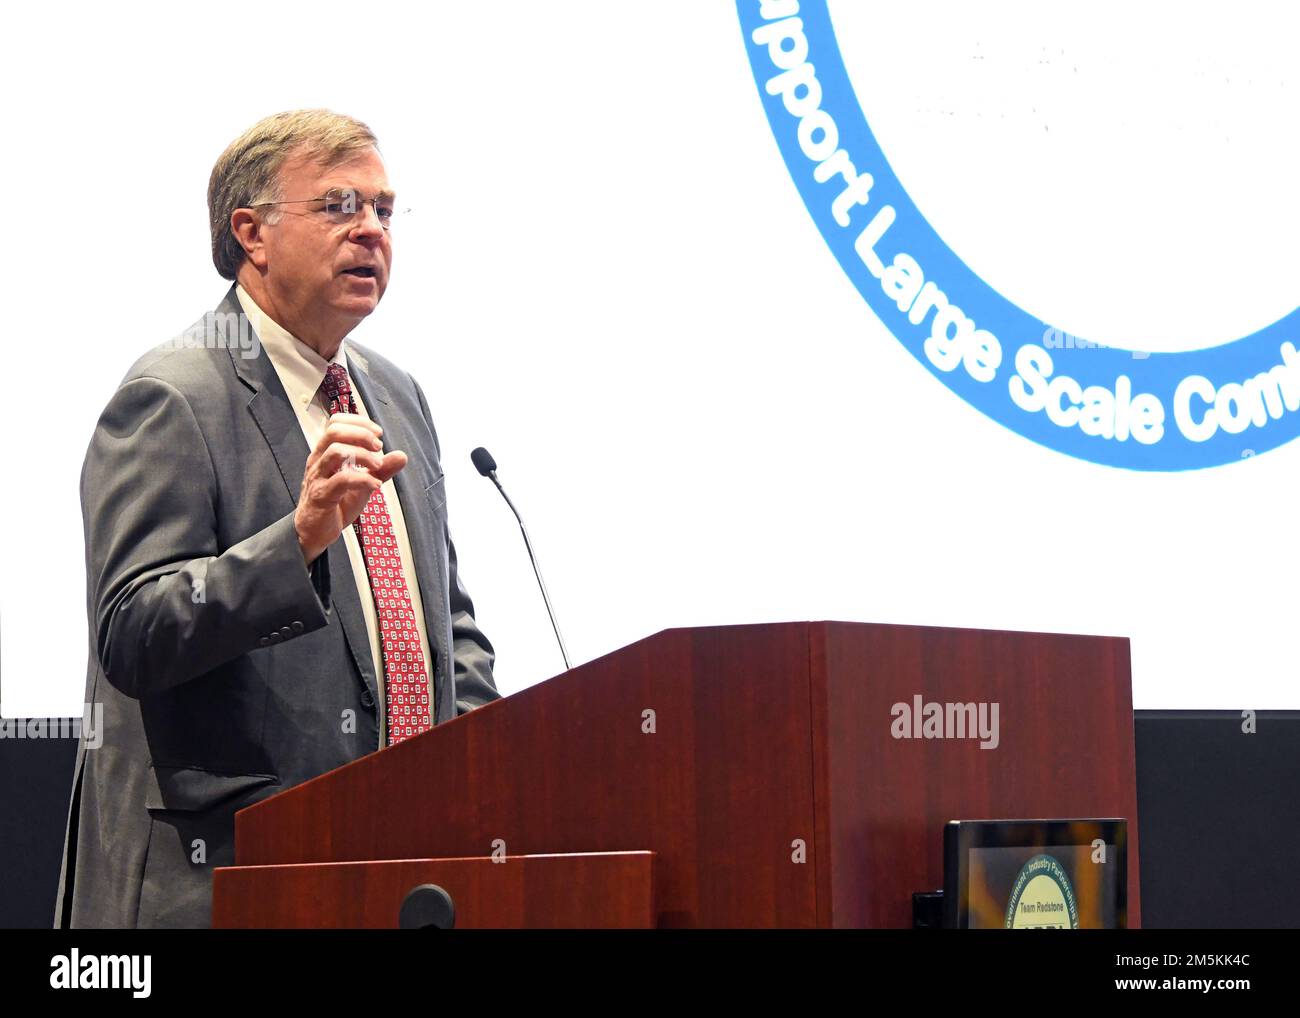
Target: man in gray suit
(268, 563)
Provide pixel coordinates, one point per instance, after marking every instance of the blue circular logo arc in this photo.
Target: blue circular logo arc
(1123, 408)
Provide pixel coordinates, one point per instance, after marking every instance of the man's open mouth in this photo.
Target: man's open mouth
(363, 272)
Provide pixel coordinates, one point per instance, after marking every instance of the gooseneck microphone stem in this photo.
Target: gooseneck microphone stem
(487, 467)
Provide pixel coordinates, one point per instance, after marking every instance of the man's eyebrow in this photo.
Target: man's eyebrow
(387, 193)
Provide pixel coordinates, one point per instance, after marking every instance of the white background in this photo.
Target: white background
(611, 282)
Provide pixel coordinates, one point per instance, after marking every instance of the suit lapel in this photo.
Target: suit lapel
(275, 416)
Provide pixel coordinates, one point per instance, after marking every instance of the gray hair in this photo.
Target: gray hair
(248, 171)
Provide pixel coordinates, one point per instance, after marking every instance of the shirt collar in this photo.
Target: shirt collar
(301, 369)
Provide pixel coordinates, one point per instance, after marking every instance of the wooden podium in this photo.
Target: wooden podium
(738, 776)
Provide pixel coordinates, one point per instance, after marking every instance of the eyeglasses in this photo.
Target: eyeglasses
(341, 205)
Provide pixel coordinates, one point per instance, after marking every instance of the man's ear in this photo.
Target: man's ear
(247, 228)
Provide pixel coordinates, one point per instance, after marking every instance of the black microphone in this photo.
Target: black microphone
(487, 466)
(427, 907)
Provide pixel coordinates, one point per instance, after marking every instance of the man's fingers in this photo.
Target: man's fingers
(341, 455)
(356, 420)
(347, 482)
(348, 433)
(392, 463)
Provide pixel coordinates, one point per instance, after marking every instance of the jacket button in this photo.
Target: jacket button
(264, 641)
(274, 637)
(366, 699)
(286, 632)
(297, 627)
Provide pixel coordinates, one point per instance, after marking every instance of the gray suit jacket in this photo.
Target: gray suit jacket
(228, 671)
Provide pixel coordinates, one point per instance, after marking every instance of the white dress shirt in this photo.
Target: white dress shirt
(302, 370)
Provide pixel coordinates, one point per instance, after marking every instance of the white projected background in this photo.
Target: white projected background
(611, 282)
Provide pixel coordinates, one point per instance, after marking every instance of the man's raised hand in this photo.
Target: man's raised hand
(347, 466)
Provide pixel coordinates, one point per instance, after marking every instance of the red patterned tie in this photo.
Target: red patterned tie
(406, 683)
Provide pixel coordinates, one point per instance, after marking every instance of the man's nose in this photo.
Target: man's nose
(366, 220)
